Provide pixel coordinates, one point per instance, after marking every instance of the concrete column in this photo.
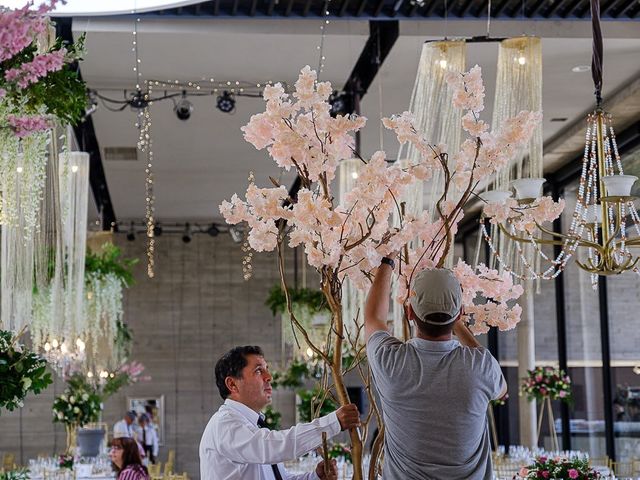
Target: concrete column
(526, 361)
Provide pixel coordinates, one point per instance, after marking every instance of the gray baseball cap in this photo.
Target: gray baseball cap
(436, 290)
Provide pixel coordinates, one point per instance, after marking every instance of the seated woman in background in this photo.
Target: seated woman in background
(126, 460)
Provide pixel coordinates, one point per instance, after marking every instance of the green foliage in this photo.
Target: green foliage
(313, 299)
(272, 418)
(312, 399)
(294, 376)
(123, 339)
(21, 372)
(108, 261)
(62, 93)
(341, 450)
(65, 461)
(19, 474)
(559, 468)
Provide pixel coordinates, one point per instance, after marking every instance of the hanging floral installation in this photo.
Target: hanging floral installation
(348, 240)
(40, 90)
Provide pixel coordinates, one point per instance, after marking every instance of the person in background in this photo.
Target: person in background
(124, 428)
(125, 457)
(148, 437)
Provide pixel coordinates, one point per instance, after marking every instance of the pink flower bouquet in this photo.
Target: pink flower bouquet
(547, 382)
(558, 467)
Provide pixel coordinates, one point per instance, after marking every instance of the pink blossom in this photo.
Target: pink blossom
(25, 126)
(3, 92)
(573, 473)
(562, 394)
(545, 474)
(39, 67)
(523, 472)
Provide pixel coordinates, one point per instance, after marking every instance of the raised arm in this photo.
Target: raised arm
(376, 308)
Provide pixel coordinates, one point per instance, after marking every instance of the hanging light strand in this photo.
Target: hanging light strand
(323, 34)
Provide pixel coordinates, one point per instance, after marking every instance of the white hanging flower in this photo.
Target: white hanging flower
(76, 410)
(85, 397)
(72, 399)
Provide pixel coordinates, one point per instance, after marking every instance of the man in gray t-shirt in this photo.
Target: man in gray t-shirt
(434, 390)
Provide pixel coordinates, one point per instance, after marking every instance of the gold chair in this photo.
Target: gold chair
(178, 477)
(168, 469)
(171, 457)
(636, 467)
(155, 471)
(622, 469)
(600, 462)
(9, 462)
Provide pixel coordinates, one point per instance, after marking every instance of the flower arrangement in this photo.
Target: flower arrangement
(547, 382)
(65, 461)
(340, 450)
(39, 80)
(272, 418)
(78, 405)
(559, 467)
(21, 371)
(346, 239)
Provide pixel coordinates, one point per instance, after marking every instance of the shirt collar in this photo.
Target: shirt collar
(251, 415)
(434, 346)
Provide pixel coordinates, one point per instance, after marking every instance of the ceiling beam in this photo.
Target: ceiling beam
(382, 37)
(85, 133)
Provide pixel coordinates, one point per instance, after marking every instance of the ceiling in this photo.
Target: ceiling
(204, 160)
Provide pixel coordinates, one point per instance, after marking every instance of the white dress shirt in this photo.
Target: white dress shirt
(233, 447)
(150, 436)
(121, 429)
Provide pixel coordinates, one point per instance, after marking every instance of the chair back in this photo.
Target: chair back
(9, 461)
(621, 469)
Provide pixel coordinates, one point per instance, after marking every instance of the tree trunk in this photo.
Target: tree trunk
(335, 304)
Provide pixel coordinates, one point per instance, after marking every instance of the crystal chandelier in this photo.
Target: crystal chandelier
(604, 208)
(64, 356)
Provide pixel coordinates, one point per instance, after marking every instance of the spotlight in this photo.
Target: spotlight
(186, 237)
(157, 230)
(139, 101)
(236, 235)
(226, 102)
(183, 108)
(213, 230)
(131, 235)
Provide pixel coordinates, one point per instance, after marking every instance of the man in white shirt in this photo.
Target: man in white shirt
(148, 437)
(123, 428)
(235, 447)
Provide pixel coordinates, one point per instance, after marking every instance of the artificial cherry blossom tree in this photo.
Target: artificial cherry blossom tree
(348, 239)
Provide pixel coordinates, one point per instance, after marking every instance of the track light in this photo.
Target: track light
(213, 230)
(139, 100)
(183, 108)
(236, 235)
(186, 237)
(131, 235)
(226, 102)
(157, 230)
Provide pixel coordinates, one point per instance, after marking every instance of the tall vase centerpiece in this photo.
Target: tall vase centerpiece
(544, 384)
(348, 239)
